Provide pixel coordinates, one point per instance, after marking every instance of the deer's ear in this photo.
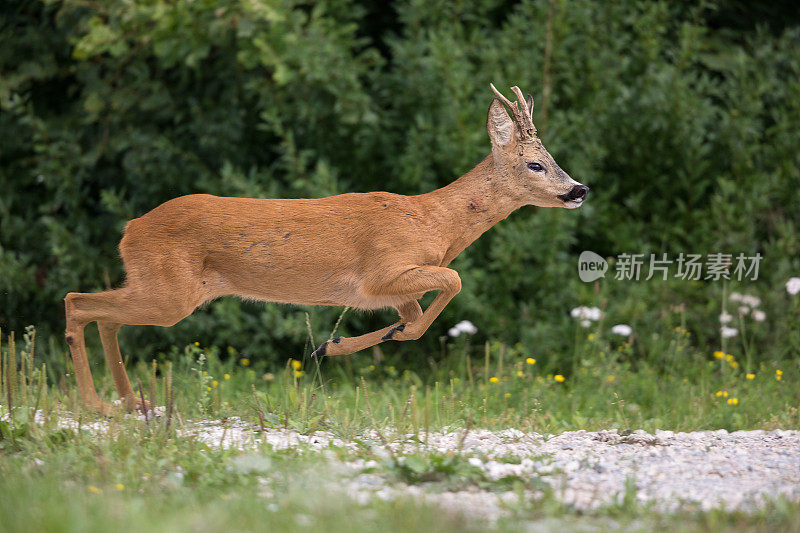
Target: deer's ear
(529, 101)
(499, 125)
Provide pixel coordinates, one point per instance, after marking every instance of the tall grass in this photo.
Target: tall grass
(67, 469)
(682, 389)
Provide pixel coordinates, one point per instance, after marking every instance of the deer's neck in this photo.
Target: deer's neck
(470, 205)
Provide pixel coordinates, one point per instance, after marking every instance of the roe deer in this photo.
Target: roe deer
(363, 250)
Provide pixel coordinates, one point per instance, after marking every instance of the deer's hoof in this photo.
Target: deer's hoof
(102, 408)
(142, 407)
(320, 352)
(391, 332)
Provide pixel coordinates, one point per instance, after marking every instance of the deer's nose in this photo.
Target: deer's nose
(578, 193)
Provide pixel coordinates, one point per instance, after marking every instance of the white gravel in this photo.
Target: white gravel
(670, 471)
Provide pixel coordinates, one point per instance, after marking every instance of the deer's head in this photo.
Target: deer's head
(529, 171)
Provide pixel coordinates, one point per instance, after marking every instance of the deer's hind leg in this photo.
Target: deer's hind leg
(76, 323)
(111, 310)
(108, 336)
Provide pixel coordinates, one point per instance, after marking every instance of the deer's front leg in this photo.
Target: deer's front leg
(413, 322)
(346, 345)
(424, 279)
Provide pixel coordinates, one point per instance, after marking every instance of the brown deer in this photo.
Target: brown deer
(362, 250)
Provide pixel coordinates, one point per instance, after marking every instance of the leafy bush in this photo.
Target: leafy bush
(683, 122)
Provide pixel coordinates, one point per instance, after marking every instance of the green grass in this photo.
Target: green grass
(149, 475)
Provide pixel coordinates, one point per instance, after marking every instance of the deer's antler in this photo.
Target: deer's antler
(520, 111)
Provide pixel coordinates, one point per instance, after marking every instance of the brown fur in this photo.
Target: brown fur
(365, 250)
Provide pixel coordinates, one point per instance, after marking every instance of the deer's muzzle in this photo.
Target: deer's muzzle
(576, 194)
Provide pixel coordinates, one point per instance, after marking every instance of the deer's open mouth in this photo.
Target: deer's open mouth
(575, 197)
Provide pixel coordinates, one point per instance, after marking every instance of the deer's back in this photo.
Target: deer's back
(314, 251)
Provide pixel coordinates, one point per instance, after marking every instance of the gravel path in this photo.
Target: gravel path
(699, 470)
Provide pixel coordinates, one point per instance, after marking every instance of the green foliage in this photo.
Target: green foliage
(682, 120)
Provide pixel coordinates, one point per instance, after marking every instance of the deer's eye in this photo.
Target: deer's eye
(536, 167)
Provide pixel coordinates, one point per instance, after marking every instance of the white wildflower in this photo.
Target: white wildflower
(622, 329)
(735, 297)
(793, 286)
(725, 317)
(752, 301)
(759, 316)
(586, 313)
(586, 323)
(594, 314)
(465, 326)
(744, 310)
(727, 332)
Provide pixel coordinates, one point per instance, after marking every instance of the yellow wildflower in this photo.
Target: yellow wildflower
(728, 357)
(120, 486)
(196, 343)
(520, 374)
(372, 367)
(734, 365)
(530, 361)
(590, 336)
(750, 376)
(209, 388)
(719, 355)
(227, 376)
(93, 489)
(493, 379)
(214, 383)
(508, 395)
(733, 401)
(297, 365)
(779, 372)
(245, 362)
(559, 378)
(610, 379)
(718, 394)
(298, 373)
